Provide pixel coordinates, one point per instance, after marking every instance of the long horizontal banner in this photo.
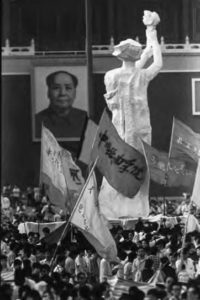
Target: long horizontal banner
(38, 227)
(129, 223)
(120, 286)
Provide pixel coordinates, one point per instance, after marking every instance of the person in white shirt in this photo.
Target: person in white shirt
(80, 263)
(128, 266)
(94, 262)
(183, 275)
(70, 263)
(60, 264)
(188, 262)
(138, 264)
(198, 262)
(183, 208)
(105, 271)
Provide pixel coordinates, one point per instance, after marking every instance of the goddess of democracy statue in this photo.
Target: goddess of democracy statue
(126, 97)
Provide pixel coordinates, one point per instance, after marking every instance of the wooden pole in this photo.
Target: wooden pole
(88, 21)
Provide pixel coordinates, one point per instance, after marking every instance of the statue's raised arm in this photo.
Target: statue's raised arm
(151, 20)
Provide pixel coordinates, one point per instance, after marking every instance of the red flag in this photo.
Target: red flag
(185, 144)
(170, 173)
(123, 166)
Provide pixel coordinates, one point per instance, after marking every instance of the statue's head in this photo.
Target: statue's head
(128, 50)
(150, 18)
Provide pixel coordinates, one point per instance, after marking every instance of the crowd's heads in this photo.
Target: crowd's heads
(46, 231)
(193, 293)
(81, 278)
(6, 291)
(141, 252)
(136, 293)
(164, 260)
(152, 294)
(168, 282)
(3, 261)
(176, 289)
(19, 277)
(148, 264)
(84, 292)
(131, 256)
(17, 263)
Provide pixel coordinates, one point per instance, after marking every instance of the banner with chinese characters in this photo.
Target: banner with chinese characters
(73, 176)
(88, 219)
(196, 189)
(123, 166)
(185, 144)
(51, 170)
(169, 173)
(60, 174)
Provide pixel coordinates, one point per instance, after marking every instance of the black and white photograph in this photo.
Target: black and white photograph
(100, 150)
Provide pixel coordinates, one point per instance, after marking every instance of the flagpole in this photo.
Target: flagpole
(164, 196)
(67, 189)
(166, 173)
(185, 231)
(83, 189)
(170, 146)
(89, 57)
(72, 214)
(41, 157)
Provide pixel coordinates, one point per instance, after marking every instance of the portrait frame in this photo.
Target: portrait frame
(39, 99)
(196, 96)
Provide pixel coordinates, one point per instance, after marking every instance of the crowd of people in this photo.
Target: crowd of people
(155, 261)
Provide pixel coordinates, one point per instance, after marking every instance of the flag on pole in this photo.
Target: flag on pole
(170, 173)
(54, 236)
(73, 176)
(89, 136)
(196, 189)
(192, 224)
(123, 166)
(91, 223)
(51, 171)
(60, 174)
(185, 144)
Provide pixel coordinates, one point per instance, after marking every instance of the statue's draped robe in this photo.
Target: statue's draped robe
(126, 97)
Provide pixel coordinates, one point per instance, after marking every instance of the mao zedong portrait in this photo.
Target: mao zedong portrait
(60, 117)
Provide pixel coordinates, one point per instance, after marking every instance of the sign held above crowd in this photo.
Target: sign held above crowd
(59, 173)
(123, 166)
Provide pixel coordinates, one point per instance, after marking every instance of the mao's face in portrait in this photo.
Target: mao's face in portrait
(62, 92)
